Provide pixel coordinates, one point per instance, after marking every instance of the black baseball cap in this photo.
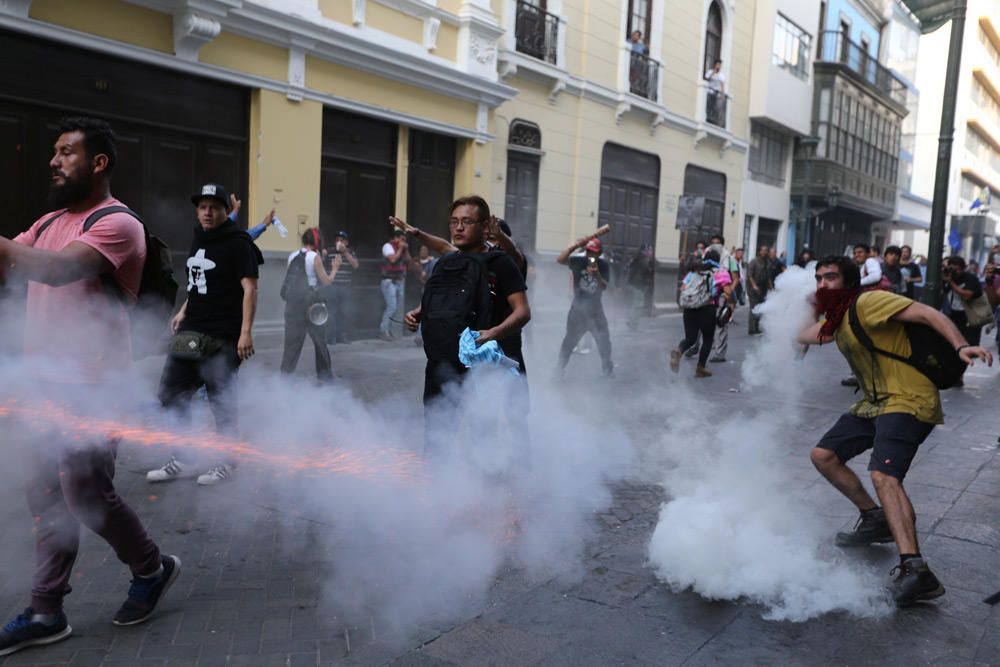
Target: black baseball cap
(212, 191)
(342, 234)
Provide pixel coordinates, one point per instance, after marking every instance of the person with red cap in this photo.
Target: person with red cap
(591, 273)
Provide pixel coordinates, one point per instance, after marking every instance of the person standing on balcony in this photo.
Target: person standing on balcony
(639, 49)
(715, 107)
(637, 45)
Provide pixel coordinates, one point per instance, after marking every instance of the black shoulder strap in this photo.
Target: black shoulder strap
(111, 285)
(859, 332)
(48, 223)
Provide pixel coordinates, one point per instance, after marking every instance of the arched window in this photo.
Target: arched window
(713, 36)
(525, 134)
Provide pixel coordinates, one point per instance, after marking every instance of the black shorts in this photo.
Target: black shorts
(893, 439)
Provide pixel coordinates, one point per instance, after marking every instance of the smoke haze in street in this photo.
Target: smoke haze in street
(732, 531)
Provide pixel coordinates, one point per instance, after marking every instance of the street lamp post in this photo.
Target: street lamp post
(808, 146)
(932, 14)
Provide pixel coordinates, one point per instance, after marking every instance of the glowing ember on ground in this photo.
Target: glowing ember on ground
(369, 464)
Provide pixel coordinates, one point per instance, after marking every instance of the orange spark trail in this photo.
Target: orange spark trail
(368, 464)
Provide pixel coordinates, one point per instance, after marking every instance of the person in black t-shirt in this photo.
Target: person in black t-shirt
(217, 317)
(591, 273)
(960, 286)
(510, 310)
(893, 270)
(911, 271)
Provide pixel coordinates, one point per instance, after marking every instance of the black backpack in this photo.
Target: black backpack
(157, 287)
(930, 353)
(295, 287)
(456, 296)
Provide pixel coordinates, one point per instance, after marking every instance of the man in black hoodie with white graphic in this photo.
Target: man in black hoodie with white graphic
(212, 329)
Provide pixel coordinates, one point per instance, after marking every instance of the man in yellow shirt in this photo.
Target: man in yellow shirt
(899, 410)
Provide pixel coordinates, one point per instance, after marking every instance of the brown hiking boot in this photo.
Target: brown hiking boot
(675, 360)
(702, 372)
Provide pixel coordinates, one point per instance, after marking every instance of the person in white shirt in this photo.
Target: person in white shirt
(715, 107)
(871, 268)
(297, 323)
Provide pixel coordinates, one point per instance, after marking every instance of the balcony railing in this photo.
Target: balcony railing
(716, 107)
(835, 47)
(643, 75)
(536, 32)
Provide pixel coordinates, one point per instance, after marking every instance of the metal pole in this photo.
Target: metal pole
(939, 209)
(801, 234)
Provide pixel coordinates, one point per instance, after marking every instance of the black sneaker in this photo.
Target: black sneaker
(22, 632)
(914, 583)
(871, 528)
(144, 593)
(849, 382)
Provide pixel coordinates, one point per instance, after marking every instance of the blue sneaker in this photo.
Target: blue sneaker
(144, 594)
(22, 632)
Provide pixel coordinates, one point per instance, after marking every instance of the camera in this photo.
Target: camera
(591, 261)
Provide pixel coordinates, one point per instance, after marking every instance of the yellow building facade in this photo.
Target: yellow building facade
(338, 113)
(621, 131)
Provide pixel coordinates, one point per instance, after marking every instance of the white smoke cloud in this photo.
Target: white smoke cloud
(403, 541)
(733, 529)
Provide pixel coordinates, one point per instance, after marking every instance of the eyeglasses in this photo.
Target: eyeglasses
(465, 222)
(831, 275)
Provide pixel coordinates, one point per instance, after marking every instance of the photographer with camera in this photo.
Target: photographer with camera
(341, 263)
(961, 287)
(591, 273)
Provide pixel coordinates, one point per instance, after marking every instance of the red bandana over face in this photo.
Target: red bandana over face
(833, 303)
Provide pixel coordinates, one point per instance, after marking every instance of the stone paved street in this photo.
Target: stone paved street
(250, 591)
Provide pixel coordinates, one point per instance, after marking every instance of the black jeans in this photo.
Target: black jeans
(297, 326)
(181, 378)
(753, 321)
(699, 321)
(580, 320)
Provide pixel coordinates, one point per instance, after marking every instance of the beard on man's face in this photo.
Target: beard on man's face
(73, 189)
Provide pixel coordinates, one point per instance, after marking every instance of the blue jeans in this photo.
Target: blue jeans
(392, 292)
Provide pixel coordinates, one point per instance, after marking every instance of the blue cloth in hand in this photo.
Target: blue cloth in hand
(489, 353)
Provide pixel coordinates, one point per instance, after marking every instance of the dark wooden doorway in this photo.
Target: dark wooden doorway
(628, 202)
(521, 205)
(175, 132)
(357, 195)
(430, 190)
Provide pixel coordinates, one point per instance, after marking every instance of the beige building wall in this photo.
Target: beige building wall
(578, 106)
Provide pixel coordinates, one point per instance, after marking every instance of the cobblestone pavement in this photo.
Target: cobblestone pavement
(246, 597)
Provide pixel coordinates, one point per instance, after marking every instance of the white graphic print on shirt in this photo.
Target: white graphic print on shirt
(197, 266)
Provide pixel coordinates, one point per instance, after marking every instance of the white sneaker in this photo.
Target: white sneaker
(215, 475)
(174, 469)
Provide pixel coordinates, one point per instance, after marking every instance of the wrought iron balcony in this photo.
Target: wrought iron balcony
(643, 75)
(835, 47)
(536, 32)
(716, 107)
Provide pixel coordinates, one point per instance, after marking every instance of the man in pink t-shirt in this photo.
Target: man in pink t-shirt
(76, 338)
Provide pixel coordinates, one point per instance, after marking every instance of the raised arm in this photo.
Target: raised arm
(919, 313)
(434, 243)
(506, 243)
(563, 257)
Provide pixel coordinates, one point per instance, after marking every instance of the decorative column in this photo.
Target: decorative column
(478, 32)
